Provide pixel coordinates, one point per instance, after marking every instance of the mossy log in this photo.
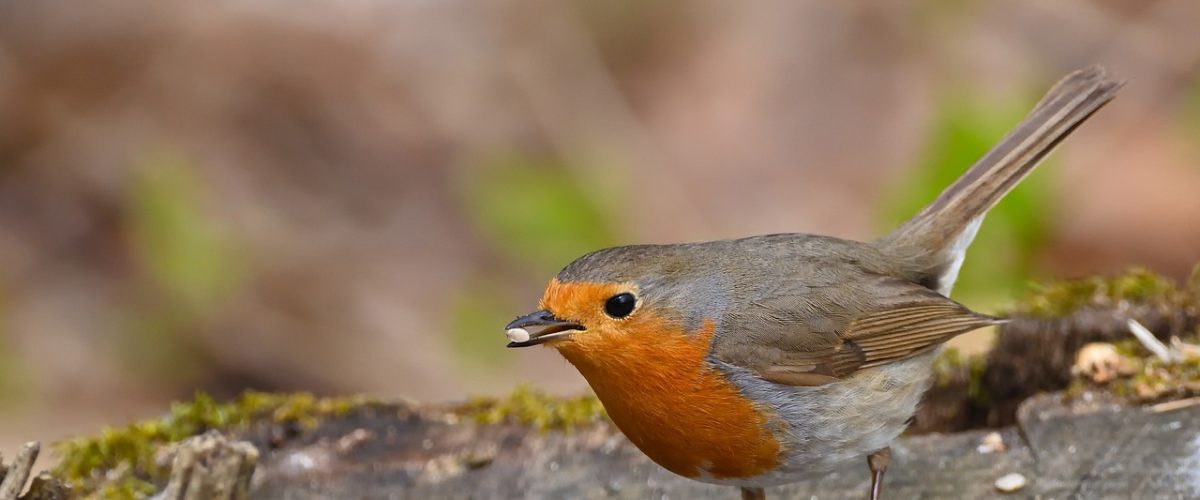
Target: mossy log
(1069, 451)
(530, 445)
(1086, 447)
(1035, 351)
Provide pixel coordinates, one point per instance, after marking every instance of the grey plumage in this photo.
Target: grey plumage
(786, 305)
(835, 336)
(929, 244)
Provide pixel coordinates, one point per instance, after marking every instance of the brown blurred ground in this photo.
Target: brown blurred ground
(285, 195)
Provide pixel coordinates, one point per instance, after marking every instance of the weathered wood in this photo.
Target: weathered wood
(14, 477)
(211, 467)
(1087, 450)
(18, 473)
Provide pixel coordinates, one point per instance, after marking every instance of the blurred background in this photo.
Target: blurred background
(347, 197)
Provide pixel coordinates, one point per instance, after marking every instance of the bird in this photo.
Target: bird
(766, 360)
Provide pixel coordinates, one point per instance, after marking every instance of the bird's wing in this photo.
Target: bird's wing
(814, 336)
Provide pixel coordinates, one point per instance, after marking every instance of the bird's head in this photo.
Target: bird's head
(619, 297)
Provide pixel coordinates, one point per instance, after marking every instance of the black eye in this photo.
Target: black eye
(620, 305)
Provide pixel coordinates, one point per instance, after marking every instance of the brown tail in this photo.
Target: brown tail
(937, 237)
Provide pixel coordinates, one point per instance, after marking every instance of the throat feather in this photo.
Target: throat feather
(660, 391)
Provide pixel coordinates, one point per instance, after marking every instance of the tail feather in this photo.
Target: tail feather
(936, 238)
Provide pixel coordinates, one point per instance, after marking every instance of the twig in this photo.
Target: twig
(1175, 405)
(18, 473)
(1147, 339)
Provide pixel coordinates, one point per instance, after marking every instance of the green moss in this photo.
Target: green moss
(1148, 379)
(133, 461)
(128, 463)
(1065, 297)
(127, 488)
(1157, 380)
(535, 408)
(1131, 348)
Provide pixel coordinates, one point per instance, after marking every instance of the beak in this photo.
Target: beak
(537, 328)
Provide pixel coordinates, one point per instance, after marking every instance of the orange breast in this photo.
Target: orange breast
(655, 384)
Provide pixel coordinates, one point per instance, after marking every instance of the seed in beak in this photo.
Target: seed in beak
(518, 335)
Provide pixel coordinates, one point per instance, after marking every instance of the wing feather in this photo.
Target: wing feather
(816, 338)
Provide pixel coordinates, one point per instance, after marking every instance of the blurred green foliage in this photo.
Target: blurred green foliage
(179, 243)
(1191, 111)
(533, 212)
(190, 264)
(937, 15)
(1001, 259)
(536, 217)
(479, 313)
(12, 374)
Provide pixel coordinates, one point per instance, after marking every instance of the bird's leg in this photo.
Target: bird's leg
(753, 494)
(878, 463)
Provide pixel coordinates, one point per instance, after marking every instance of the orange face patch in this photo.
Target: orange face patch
(654, 382)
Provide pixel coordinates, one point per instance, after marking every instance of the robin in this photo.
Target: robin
(766, 360)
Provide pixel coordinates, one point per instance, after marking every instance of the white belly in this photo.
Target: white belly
(837, 423)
